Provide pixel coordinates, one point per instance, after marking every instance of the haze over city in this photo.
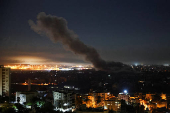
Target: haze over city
(120, 31)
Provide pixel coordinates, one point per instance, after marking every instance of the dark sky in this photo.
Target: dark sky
(135, 31)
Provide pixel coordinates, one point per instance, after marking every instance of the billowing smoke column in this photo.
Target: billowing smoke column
(56, 29)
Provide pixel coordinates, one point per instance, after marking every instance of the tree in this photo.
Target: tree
(78, 101)
(136, 106)
(20, 108)
(47, 108)
(18, 99)
(4, 99)
(12, 98)
(98, 99)
(111, 111)
(141, 109)
(8, 108)
(34, 100)
(157, 97)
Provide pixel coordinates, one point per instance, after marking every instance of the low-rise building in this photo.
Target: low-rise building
(112, 104)
(64, 100)
(25, 97)
(122, 96)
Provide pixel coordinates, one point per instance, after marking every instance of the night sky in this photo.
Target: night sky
(135, 31)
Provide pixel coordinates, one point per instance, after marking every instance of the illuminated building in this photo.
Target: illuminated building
(153, 101)
(122, 96)
(149, 96)
(163, 96)
(95, 100)
(91, 102)
(23, 97)
(105, 96)
(64, 101)
(112, 104)
(5, 81)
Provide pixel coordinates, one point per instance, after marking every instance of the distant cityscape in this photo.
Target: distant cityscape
(47, 67)
(44, 88)
(136, 67)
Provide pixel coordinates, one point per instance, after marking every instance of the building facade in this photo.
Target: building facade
(5, 81)
(25, 97)
(64, 101)
(112, 104)
(122, 96)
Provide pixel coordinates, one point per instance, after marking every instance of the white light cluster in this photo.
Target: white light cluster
(63, 110)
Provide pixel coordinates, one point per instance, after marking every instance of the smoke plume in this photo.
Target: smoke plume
(57, 30)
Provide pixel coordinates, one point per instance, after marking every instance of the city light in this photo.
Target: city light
(125, 91)
(47, 67)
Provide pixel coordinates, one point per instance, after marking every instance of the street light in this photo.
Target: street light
(125, 91)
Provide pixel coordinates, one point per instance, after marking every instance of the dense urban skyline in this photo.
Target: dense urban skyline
(128, 32)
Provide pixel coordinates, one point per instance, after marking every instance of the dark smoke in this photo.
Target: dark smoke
(56, 29)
